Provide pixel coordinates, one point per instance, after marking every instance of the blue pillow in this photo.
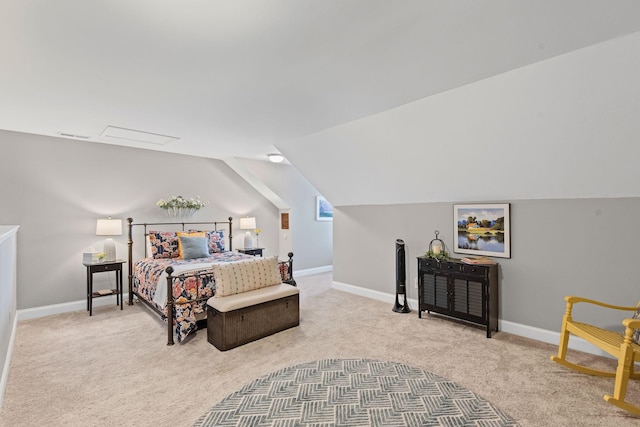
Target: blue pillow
(216, 240)
(194, 247)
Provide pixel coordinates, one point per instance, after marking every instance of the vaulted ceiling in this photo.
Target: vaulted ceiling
(244, 78)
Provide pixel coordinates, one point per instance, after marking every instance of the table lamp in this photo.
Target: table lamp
(109, 227)
(248, 223)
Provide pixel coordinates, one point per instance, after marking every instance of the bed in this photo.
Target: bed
(174, 277)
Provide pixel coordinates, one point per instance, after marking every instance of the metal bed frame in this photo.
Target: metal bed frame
(169, 270)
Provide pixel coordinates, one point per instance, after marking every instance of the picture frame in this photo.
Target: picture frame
(324, 210)
(482, 229)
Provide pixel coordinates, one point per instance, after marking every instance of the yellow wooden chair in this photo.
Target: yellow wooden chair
(624, 348)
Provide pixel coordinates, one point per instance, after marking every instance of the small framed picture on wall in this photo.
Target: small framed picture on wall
(324, 210)
(482, 229)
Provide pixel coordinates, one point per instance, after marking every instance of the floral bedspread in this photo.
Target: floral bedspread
(187, 286)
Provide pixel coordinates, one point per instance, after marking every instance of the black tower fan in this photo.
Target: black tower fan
(401, 279)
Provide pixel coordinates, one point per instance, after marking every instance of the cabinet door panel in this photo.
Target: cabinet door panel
(435, 290)
(467, 300)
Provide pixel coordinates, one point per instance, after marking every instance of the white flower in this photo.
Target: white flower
(182, 203)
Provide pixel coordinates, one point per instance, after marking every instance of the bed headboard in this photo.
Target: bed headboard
(178, 226)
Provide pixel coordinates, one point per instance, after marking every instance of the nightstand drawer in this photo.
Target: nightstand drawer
(98, 268)
(253, 251)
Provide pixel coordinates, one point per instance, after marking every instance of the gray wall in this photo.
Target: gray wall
(55, 189)
(557, 139)
(312, 239)
(585, 247)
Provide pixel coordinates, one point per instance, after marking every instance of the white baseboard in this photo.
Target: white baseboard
(48, 310)
(310, 271)
(550, 337)
(67, 307)
(370, 293)
(7, 360)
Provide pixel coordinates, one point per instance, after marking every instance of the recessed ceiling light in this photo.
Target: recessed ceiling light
(138, 135)
(275, 157)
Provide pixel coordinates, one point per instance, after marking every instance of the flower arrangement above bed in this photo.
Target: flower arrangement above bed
(181, 207)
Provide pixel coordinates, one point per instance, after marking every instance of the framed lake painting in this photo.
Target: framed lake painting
(482, 229)
(324, 210)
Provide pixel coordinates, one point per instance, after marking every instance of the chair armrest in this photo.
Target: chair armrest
(631, 323)
(574, 300)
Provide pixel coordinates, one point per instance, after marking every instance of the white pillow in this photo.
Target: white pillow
(148, 242)
(244, 276)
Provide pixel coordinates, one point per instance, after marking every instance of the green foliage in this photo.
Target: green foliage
(182, 203)
(439, 256)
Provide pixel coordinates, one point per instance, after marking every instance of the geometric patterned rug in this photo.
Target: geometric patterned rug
(353, 392)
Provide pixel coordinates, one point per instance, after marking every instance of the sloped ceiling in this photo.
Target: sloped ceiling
(564, 128)
(244, 78)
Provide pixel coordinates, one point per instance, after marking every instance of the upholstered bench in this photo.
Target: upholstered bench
(250, 303)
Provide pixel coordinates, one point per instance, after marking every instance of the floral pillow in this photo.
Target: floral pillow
(216, 240)
(164, 244)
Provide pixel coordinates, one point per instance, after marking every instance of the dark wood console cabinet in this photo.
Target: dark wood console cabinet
(459, 290)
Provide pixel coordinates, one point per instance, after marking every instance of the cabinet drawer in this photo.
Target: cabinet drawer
(433, 265)
(452, 267)
(427, 263)
(478, 270)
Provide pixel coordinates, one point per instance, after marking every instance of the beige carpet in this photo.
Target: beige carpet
(114, 368)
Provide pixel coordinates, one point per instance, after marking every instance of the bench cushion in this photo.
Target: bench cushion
(257, 296)
(244, 276)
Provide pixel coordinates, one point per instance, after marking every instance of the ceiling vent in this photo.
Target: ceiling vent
(73, 135)
(137, 135)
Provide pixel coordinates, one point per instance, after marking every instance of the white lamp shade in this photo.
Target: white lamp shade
(248, 223)
(109, 227)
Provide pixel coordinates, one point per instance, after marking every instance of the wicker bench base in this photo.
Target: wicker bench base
(227, 330)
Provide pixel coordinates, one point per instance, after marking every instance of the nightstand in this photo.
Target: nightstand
(100, 267)
(253, 251)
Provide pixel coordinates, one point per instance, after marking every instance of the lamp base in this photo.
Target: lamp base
(248, 240)
(109, 250)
